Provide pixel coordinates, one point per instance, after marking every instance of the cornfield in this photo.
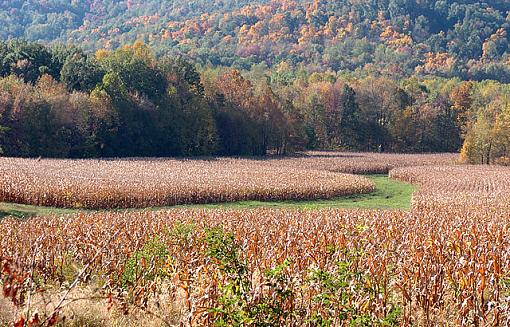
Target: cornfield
(141, 183)
(444, 262)
(264, 266)
(364, 163)
(458, 187)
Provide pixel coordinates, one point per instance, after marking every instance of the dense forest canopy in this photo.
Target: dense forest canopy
(62, 102)
(449, 38)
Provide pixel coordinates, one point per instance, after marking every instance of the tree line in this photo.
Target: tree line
(58, 101)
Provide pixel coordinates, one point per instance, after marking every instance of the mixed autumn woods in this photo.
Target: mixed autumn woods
(61, 102)
(183, 78)
(451, 38)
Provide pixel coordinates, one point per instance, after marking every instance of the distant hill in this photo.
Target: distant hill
(467, 39)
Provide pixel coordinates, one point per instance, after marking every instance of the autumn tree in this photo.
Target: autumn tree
(136, 66)
(478, 145)
(235, 100)
(331, 112)
(27, 60)
(487, 139)
(180, 69)
(380, 101)
(81, 73)
(461, 98)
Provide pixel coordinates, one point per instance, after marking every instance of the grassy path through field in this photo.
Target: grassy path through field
(389, 194)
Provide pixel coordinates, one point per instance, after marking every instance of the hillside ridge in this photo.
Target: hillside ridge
(466, 39)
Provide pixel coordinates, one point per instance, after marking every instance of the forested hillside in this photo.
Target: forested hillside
(450, 38)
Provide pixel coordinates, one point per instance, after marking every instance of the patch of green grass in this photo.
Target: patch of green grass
(389, 194)
(25, 211)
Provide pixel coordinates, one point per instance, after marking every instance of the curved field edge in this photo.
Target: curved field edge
(102, 185)
(388, 194)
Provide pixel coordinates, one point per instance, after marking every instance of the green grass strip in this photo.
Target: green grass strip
(389, 194)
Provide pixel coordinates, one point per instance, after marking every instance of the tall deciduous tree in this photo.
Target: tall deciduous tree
(479, 142)
(136, 67)
(27, 60)
(81, 73)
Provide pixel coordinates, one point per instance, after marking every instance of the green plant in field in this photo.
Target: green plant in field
(277, 300)
(344, 294)
(392, 317)
(68, 268)
(144, 264)
(233, 281)
(240, 302)
(181, 232)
